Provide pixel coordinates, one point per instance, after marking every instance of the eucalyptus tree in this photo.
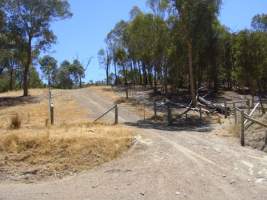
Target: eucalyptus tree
(49, 68)
(104, 59)
(63, 77)
(135, 11)
(160, 35)
(116, 39)
(78, 72)
(250, 60)
(140, 43)
(195, 18)
(259, 23)
(32, 21)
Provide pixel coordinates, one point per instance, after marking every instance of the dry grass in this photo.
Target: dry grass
(106, 91)
(33, 111)
(131, 103)
(59, 151)
(37, 151)
(234, 129)
(15, 122)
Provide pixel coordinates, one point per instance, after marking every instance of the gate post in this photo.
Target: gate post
(155, 109)
(248, 104)
(200, 113)
(235, 114)
(169, 115)
(52, 113)
(225, 110)
(242, 135)
(116, 114)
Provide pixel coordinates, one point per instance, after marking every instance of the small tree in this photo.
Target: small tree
(104, 59)
(78, 71)
(63, 77)
(49, 68)
(259, 23)
(31, 20)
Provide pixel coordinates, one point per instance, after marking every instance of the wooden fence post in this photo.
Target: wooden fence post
(252, 102)
(52, 113)
(225, 110)
(144, 112)
(127, 92)
(235, 113)
(266, 138)
(155, 109)
(242, 134)
(116, 114)
(248, 104)
(200, 112)
(169, 116)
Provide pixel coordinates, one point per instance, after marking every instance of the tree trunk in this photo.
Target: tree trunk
(191, 74)
(27, 68)
(107, 72)
(166, 80)
(260, 95)
(80, 81)
(145, 81)
(155, 81)
(11, 79)
(140, 74)
(116, 76)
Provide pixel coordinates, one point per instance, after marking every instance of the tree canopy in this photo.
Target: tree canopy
(29, 22)
(182, 44)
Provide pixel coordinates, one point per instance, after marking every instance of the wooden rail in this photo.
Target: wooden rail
(115, 107)
(243, 117)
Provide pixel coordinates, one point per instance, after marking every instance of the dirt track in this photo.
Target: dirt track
(162, 165)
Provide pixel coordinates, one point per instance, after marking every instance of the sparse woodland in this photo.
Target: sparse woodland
(25, 34)
(182, 44)
(177, 44)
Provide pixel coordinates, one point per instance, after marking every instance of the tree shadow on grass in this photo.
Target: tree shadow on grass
(15, 101)
(191, 124)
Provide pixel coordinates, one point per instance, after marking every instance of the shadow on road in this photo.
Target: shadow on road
(190, 124)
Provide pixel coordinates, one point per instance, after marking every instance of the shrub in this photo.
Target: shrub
(15, 122)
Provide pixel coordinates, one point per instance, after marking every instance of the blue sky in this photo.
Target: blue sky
(83, 35)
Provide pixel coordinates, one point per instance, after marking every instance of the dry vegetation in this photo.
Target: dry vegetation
(31, 151)
(33, 110)
(59, 151)
(119, 98)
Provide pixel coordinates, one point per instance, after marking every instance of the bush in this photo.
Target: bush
(15, 122)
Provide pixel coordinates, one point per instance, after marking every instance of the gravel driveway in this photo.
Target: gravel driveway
(162, 165)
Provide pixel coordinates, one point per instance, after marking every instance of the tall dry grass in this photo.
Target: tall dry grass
(62, 150)
(34, 150)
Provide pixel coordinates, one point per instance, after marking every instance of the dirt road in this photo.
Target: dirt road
(162, 165)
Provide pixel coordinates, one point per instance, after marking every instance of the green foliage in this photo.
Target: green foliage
(63, 76)
(29, 23)
(4, 82)
(104, 59)
(69, 75)
(259, 22)
(181, 43)
(49, 68)
(250, 57)
(35, 81)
